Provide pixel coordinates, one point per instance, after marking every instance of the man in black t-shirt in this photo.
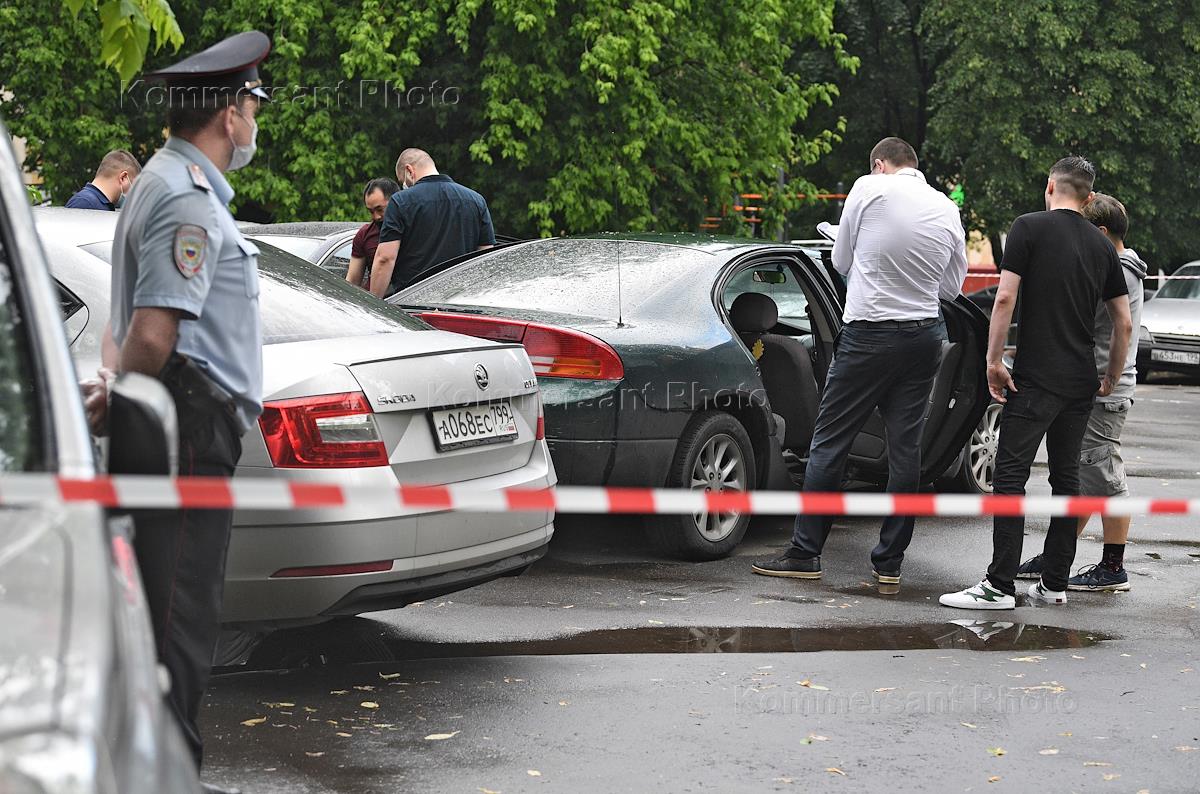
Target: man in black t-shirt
(431, 219)
(1063, 267)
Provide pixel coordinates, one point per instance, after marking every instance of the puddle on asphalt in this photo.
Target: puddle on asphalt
(360, 640)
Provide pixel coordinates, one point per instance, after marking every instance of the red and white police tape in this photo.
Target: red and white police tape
(249, 493)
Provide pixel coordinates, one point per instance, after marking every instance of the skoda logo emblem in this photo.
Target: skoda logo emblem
(481, 377)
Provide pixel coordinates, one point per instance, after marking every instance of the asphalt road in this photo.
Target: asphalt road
(609, 668)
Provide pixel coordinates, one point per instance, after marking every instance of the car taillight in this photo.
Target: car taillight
(541, 421)
(555, 352)
(330, 431)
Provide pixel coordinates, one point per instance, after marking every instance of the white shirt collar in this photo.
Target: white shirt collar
(909, 171)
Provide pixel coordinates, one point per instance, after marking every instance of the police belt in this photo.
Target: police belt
(197, 396)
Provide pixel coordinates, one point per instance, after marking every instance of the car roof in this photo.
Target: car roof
(314, 229)
(75, 227)
(721, 246)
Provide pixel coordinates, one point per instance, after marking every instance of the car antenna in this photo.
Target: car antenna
(620, 316)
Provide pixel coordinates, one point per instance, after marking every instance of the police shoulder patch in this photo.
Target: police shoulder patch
(191, 242)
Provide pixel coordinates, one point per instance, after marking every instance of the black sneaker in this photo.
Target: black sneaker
(886, 577)
(1031, 568)
(790, 567)
(1098, 577)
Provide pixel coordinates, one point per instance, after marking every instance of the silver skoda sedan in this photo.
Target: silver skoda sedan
(356, 392)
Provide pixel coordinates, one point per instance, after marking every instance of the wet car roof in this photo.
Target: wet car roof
(301, 228)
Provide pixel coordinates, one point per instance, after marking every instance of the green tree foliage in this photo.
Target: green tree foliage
(1028, 82)
(567, 116)
(125, 27)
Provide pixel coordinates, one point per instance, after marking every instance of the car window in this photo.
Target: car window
(20, 432)
(570, 276)
(338, 262)
(1185, 289)
(778, 282)
(299, 301)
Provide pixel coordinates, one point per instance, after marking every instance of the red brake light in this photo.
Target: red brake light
(541, 420)
(330, 431)
(555, 352)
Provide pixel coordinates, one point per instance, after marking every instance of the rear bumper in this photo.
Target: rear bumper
(618, 462)
(442, 547)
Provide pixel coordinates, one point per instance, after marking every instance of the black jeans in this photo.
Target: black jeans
(181, 556)
(892, 368)
(1030, 414)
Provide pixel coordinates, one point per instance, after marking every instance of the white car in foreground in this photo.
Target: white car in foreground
(356, 393)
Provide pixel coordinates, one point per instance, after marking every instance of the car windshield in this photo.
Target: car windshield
(299, 301)
(579, 277)
(1184, 288)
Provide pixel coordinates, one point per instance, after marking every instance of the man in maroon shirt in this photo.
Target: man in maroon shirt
(362, 250)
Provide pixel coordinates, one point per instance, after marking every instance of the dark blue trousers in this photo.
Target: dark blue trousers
(873, 366)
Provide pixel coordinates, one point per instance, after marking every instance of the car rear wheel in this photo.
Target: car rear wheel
(714, 454)
(977, 465)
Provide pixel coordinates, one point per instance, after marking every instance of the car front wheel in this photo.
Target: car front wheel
(714, 454)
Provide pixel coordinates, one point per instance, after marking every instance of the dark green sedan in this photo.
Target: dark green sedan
(652, 377)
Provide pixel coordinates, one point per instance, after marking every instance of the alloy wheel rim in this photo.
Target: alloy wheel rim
(982, 449)
(719, 467)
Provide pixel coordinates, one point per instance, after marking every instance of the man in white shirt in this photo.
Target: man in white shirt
(901, 247)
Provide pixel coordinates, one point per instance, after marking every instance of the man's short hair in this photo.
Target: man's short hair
(187, 116)
(1104, 210)
(116, 161)
(1075, 175)
(384, 184)
(896, 151)
(417, 158)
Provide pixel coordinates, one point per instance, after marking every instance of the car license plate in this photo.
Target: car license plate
(473, 425)
(1175, 356)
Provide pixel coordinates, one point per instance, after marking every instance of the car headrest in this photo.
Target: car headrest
(753, 313)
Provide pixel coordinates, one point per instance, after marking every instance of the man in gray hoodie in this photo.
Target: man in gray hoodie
(1101, 469)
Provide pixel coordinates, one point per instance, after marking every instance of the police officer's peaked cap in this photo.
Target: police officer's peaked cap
(228, 66)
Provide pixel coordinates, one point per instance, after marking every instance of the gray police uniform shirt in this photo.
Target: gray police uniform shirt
(177, 247)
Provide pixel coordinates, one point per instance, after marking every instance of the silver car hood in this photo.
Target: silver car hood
(34, 604)
(1172, 316)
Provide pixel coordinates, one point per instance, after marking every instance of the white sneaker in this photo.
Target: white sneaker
(981, 596)
(1039, 593)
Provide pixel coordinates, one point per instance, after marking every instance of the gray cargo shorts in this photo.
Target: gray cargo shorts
(1101, 469)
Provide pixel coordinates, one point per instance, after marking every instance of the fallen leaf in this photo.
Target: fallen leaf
(365, 688)
(310, 710)
(344, 735)
(655, 622)
(1142, 665)
(1183, 748)
(255, 721)
(1096, 763)
(488, 791)
(886, 689)
(997, 751)
(972, 726)
(1028, 659)
(833, 770)
(569, 606)
(533, 773)
(994, 779)
(437, 737)
(1066, 733)
(1048, 751)
(314, 755)
(340, 692)
(279, 705)
(805, 740)
(811, 685)
(564, 702)
(817, 738)
(390, 676)
(1111, 775)
(369, 704)
(1073, 656)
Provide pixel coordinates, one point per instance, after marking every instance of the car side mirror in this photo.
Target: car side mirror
(141, 414)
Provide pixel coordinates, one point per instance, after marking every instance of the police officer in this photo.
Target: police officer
(185, 310)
